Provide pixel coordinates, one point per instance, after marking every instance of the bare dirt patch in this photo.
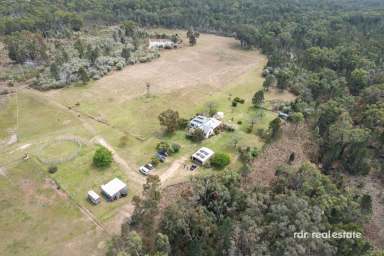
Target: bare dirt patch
(124, 214)
(51, 184)
(172, 170)
(298, 141)
(3, 171)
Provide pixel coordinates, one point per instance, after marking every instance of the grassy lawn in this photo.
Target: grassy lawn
(58, 150)
(39, 119)
(32, 213)
(7, 116)
(139, 118)
(79, 176)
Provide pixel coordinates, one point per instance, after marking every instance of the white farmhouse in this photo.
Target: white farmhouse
(114, 189)
(202, 155)
(207, 124)
(161, 43)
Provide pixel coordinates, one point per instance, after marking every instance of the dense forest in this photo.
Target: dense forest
(329, 53)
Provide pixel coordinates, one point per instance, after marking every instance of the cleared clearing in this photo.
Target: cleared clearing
(214, 61)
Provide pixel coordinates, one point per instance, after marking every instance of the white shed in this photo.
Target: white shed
(161, 43)
(202, 155)
(219, 116)
(93, 197)
(114, 189)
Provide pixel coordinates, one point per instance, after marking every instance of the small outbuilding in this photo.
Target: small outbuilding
(283, 115)
(114, 189)
(93, 197)
(161, 43)
(202, 155)
(219, 116)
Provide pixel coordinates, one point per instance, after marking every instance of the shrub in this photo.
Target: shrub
(163, 147)
(247, 154)
(52, 169)
(102, 158)
(366, 204)
(123, 141)
(170, 120)
(183, 123)
(234, 104)
(220, 160)
(229, 127)
(239, 100)
(197, 135)
(175, 148)
(155, 161)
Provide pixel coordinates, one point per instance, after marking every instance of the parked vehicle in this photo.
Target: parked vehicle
(193, 167)
(161, 157)
(146, 169)
(163, 152)
(283, 115)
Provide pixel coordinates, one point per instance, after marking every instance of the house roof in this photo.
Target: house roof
(211, 124)
(203, 154)
(160, 40)
(205, 123)
(92, 194)
(113, 187)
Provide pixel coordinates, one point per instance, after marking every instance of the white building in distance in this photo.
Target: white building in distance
(207, 124)
(114, 189)
(161, 43)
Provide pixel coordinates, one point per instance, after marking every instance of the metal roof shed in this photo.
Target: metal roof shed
(114, 189)
(202, 155)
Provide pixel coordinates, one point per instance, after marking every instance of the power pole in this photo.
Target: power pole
(148, 86)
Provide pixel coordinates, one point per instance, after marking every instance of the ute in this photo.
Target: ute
(146, 169)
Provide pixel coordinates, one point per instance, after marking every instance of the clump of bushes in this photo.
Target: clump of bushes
(247, 154)
(90, 58)
(168, 148)
(155, 161)
(123, 141)
(229, 127)
(102, 158)
(220, 160)
(238, 100)
(196, 135)
(182, 123)
(175, 148)
(52, 169)
(163, 147)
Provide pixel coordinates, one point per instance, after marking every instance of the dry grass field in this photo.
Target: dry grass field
(101, 112)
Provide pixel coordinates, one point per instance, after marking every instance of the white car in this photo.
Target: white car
(146, 169)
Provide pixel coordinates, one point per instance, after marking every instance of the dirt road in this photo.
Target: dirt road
(132, 174)
(172, 170)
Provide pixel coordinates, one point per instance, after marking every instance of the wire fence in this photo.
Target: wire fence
(61, 159)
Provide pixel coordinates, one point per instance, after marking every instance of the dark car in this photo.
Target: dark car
(161, 157)
(193, 167)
